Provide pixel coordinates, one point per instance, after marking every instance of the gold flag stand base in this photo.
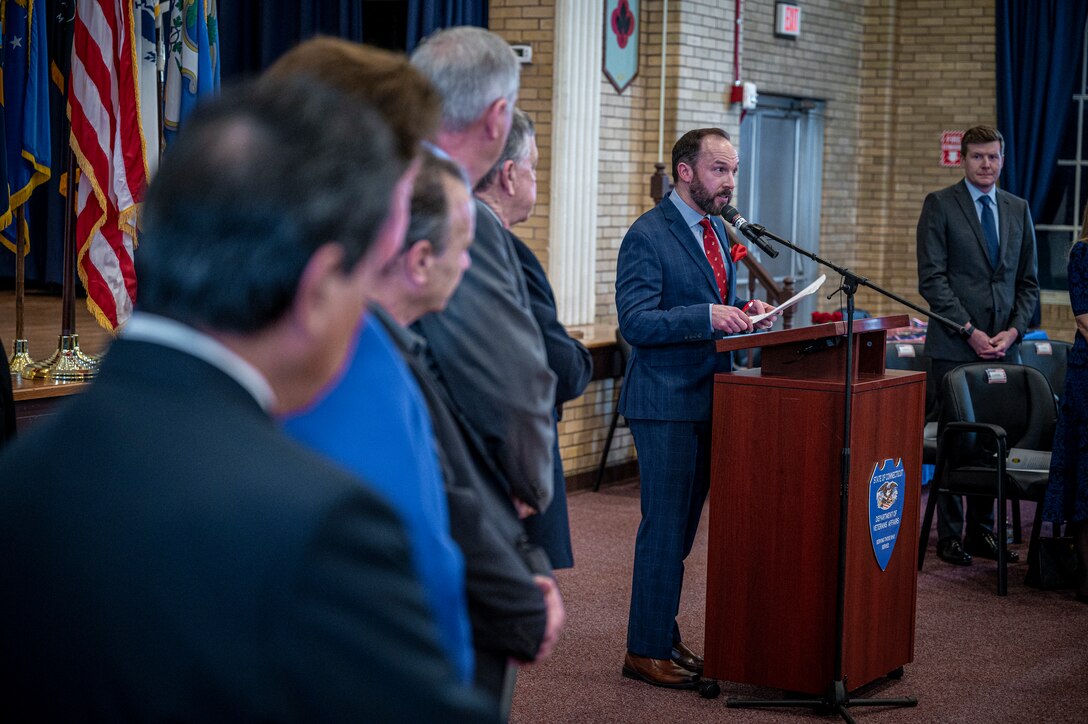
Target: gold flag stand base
(20, 357)
(68, 363)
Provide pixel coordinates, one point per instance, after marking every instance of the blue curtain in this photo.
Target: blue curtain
(426, 16)
(254, 33)
(1039, 46)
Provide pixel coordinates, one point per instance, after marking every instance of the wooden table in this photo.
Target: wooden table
(600, 340)
(35, 399)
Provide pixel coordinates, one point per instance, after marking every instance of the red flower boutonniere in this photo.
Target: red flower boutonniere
(738, 252)
(824, 317)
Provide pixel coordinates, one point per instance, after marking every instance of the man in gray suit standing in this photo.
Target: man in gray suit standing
(976, 266)
(486, 346)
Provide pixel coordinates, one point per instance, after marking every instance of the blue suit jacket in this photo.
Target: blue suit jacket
(664, 286)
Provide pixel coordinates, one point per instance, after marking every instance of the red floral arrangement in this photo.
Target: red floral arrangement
(738, 252)
(824, 317)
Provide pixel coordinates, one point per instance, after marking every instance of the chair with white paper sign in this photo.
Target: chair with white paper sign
(910, 355)
(987, 409)
(1049, 357)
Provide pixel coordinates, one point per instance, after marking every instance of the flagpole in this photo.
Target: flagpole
(69, 363)
(20, 348)
(160, 79)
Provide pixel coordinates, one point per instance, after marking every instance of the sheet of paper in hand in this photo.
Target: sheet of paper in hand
(810, 289)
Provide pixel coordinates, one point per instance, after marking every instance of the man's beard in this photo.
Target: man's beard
(702, 197)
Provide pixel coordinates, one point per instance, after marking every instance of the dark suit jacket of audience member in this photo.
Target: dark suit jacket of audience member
(573, 366)
(505, 606)
(7, 401)
(490, 356)
(567, 357)
(957, 279)
(170, 555)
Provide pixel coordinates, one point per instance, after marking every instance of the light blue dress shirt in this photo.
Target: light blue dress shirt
(976, 193)
(693, 218)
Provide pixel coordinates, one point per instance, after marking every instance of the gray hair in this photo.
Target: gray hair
(430, 209)
(472, 68)
(522, 131)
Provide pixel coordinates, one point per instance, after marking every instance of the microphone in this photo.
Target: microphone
(754, 232)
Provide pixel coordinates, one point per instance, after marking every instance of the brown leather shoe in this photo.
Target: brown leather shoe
(659, 672)
(683, 656)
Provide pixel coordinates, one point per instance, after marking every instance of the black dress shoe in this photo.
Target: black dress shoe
(984, 545)
(951, 551)
(683, 656)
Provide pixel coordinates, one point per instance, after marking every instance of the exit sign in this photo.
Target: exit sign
(787, 20)
(950, 148)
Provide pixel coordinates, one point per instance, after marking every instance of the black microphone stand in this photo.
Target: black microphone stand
(837, 700)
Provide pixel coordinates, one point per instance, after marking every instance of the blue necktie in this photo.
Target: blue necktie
(989, 231)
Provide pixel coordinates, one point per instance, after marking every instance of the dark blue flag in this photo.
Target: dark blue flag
(25, 107)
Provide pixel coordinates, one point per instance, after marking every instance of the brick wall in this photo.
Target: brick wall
(824, 63)
(933, 81)
(893, 74)
(532, 22)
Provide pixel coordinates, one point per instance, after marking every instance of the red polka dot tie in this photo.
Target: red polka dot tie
(714, 256)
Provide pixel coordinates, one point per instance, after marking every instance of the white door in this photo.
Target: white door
(780, 185)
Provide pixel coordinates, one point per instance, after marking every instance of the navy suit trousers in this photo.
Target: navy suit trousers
(674, 468)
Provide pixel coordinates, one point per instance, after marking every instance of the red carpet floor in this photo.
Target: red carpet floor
(978, 657)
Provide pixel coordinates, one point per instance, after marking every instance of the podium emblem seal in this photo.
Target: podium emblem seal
(885, 508)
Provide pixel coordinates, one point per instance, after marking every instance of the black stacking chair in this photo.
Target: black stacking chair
(1049, 357)
(911, 356)
(625, 354)
(987, 409)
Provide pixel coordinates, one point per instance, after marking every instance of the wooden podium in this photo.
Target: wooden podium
(772, 570)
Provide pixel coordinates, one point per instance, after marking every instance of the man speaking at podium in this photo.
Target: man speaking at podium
(675, 294)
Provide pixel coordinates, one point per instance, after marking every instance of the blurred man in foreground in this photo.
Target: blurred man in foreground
(179, 558)
(374, 421)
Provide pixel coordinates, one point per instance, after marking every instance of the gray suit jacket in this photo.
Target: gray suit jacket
(955, 275)
(505, 605)
(490, 355)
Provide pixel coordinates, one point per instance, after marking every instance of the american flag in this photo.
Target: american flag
(104, 107)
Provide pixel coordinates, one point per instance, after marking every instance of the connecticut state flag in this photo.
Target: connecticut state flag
(26, 108)
(192, 60)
